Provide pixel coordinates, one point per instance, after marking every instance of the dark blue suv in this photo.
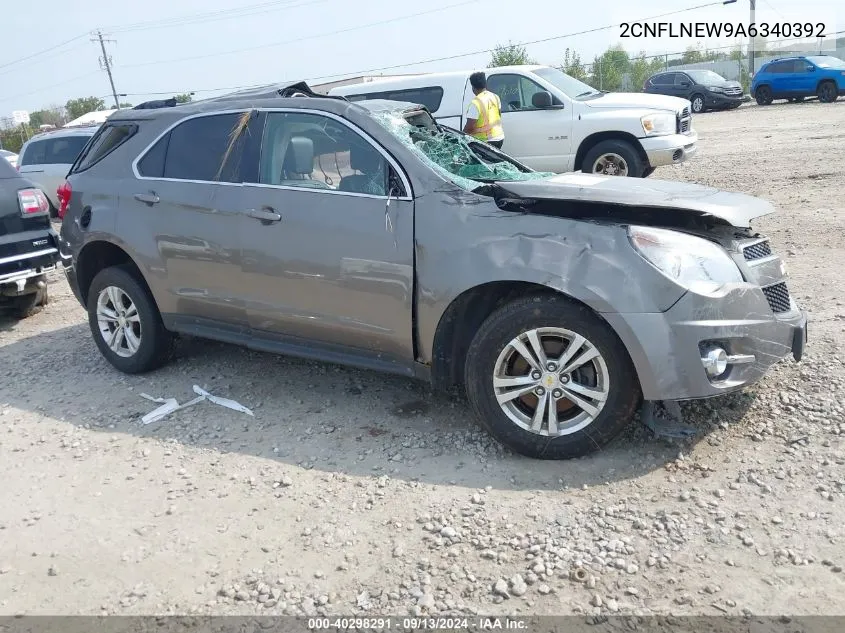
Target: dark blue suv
(794, 78)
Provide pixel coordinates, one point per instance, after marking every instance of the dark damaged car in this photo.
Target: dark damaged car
(28, 244)
(367, 234)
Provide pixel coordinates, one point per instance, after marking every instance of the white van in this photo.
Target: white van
(554, 122)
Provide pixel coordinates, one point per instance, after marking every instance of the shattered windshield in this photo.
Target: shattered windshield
(460, 158)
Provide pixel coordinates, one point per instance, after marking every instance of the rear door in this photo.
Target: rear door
(782, 80)
(327, 234)
(181, 210)
(663, 84)
(539, 138)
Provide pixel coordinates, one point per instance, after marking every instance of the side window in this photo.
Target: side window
(152, 164)
(316, 152)
(203, 149)
(64, 150)
(430, 97)
(781, 67)
(514, 91)
(681, 78)
(35, 154)
(105, 141)
(506, 87)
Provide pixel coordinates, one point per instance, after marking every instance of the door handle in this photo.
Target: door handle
(265, 215)
(147, 198)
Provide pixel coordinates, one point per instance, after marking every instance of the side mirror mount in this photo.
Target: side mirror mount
(685, 84)
(542, 100)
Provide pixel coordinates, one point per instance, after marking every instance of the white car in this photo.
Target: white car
(9, 156)
(554, 122)
(45, 159)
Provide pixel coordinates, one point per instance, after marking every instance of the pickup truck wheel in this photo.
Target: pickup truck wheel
(613, 158)
(549, 379)
(126, 323)
(697, 103)
(764, 96)
(28, 305)
(828, 92)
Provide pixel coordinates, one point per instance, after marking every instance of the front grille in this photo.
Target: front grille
(733, 91)
(778, 297)
(757, 251)
(685, 113)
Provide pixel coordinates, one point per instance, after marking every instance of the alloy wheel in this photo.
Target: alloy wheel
(551, 381)
(119, 321)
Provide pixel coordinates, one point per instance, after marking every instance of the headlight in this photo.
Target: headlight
(691, 262)
(657, 124)
(715, 89)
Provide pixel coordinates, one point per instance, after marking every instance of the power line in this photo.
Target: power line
(307, 37)
(589, 64)
(50, 86)
(41, 52)
(223, 14)
(527, 43)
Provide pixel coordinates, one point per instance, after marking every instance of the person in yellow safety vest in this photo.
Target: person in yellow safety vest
(484, 113)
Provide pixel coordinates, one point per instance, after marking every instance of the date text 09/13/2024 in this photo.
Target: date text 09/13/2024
(410, 623)
(723, 29)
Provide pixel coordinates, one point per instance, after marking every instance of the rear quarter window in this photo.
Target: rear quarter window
(34, 154)
(107, 139)
(430, 96)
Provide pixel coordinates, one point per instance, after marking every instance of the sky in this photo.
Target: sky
(165, 47)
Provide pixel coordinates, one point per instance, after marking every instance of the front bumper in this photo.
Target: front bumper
(718, 100)
(670, 149)
(667, 348)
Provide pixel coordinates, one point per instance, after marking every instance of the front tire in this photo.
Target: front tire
(126, 323)
(549, 379)
(697, 102)
(828, 92)
(613, 158)
(764, 96)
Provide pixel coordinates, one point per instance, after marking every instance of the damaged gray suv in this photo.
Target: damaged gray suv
(367, 234)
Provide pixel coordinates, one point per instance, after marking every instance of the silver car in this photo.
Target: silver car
(11, 157)
(46, 158)
(367, 234)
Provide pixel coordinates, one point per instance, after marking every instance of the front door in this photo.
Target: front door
(539, 138)
(327, 236)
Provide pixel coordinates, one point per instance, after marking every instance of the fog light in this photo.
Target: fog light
(715, 362)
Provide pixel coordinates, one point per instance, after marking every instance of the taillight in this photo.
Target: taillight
(63, 192)
(33, 201)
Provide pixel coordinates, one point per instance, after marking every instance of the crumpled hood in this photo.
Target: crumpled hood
(638, 100)
(736, 209)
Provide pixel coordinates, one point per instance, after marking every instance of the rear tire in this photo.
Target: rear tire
(558, 323)
(764, 96)
(828, 92)
(122, 310)
(613, 158)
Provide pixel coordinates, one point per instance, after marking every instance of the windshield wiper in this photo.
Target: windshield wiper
(588, 93)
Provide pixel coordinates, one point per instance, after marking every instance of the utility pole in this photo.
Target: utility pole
(751, 43)
(106, 64)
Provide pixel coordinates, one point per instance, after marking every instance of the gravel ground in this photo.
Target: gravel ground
(350, 492)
